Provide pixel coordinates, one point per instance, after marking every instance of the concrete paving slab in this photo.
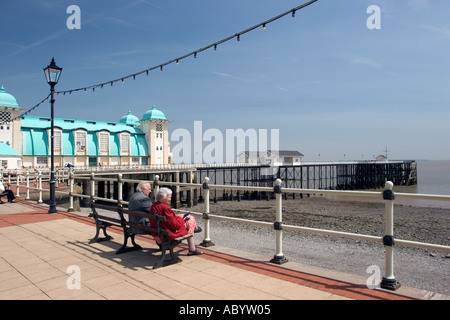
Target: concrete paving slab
(38, 251)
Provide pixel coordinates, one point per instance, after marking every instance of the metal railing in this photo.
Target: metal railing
(388, 240)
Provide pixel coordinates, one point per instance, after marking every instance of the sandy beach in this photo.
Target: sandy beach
(428, 270)
(423, 224)
(419, 268)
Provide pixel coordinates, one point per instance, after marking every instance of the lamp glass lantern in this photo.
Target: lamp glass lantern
(52, 73)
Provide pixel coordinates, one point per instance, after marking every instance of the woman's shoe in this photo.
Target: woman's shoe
(198, 229)
(195, 253)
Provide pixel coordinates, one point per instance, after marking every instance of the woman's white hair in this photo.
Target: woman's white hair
(163, 193)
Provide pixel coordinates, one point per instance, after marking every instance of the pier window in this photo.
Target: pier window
(124, 143)
(103, 142)
(80, 141)
(57, 141)
(42, 161)
(5, 117)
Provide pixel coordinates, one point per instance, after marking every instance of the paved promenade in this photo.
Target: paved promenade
(41, 254)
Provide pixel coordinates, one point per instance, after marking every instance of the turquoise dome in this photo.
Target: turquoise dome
(130, 119)
(154, 114)
(7, 100)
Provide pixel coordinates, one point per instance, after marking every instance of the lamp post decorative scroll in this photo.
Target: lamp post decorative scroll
(52, 74)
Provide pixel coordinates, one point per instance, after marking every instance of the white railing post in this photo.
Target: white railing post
(207, 240)
(40, 186)
(17, 184)
(92, 186)
(119, 189)
(279, 257)
(389, 282)
(71, 181)
(28, 186)
(155, 186)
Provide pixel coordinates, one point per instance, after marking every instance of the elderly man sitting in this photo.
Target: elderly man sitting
(141, 202)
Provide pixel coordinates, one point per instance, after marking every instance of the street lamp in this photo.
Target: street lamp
(52, 74)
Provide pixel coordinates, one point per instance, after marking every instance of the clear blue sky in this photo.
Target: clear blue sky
(332, 86)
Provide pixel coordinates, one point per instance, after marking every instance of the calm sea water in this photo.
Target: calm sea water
(433, 177)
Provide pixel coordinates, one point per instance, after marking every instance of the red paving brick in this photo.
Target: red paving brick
(341, 288)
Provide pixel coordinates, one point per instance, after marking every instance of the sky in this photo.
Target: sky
(338, 81)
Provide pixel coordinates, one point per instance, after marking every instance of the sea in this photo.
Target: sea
(433, 177)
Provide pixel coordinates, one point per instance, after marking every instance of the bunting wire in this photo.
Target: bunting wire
(176, 60)
(26, 112)
(193, 53)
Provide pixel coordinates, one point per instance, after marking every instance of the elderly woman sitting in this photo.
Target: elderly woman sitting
(175, 224)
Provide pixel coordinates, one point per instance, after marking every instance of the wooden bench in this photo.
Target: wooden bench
(103, 221)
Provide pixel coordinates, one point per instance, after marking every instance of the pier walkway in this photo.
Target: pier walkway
(41, 254)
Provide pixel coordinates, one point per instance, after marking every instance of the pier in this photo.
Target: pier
(354, 175)
(360, 175)
(185, 180)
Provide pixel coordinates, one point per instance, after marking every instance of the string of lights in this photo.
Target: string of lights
(26, 112)
(161, 66)
(193, 53)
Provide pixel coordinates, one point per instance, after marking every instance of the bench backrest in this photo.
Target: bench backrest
(126, 223)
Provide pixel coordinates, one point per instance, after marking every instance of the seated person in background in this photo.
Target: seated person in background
(175, 224)
(141, 202)
(9, 193)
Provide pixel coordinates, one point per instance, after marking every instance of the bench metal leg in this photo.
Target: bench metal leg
(102, 226)
(124, 247)
(174, 257)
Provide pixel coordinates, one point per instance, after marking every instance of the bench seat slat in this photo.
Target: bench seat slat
(163, 233)
(109, 219)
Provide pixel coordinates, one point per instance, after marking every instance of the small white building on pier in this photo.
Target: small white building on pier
(271, 157)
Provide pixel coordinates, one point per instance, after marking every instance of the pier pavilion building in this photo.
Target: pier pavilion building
(25, 141)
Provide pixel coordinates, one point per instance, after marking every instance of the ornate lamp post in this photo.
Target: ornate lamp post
(52, 74)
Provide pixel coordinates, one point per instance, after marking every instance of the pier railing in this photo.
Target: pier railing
(22, 181)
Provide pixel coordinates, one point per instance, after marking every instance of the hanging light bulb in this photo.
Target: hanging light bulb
(178, 62)
(264, 26)
(215, 47)
(122, 80)
(161, 68)
(293, 13)
(238, 37)
(195, 55)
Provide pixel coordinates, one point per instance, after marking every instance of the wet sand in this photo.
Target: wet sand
(423, 224)
(419, 268)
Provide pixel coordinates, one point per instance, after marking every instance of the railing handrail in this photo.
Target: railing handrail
(387, 195)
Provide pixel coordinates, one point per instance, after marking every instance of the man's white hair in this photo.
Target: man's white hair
(142, 185)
